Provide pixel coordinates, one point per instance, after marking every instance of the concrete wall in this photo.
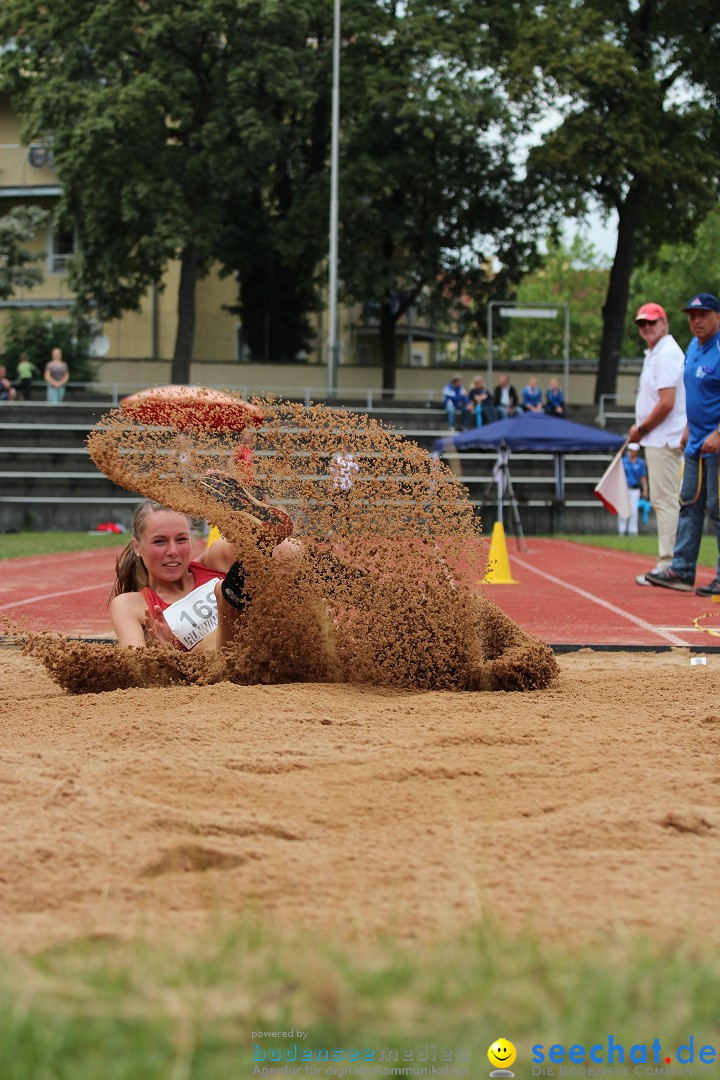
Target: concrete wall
(282, 378)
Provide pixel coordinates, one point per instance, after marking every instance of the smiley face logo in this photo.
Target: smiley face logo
(501, 1055)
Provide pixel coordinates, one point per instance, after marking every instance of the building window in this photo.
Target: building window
(62, 245)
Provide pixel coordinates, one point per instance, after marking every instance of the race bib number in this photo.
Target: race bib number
(194, 616)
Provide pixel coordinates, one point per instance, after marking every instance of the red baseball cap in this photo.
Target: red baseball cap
(650, 312)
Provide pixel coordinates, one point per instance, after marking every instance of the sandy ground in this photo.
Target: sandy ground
(588, 807)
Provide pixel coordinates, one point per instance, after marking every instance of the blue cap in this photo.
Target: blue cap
(703, 301)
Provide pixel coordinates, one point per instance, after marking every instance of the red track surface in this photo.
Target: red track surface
(567, 594)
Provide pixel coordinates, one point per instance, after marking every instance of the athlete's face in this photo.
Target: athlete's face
(165, 545)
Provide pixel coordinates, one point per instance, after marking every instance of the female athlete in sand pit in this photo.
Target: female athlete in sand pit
(162, 594)
(380, 590)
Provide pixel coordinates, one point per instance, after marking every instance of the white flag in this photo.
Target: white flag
(612, 489)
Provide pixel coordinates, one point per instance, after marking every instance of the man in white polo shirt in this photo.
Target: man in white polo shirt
(659, 425)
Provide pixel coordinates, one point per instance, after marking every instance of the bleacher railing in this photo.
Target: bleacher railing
(367, 398)
(615, 407)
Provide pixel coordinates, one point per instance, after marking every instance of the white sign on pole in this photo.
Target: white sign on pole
(529, 313)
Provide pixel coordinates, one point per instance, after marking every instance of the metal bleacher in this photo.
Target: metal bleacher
(48, 481)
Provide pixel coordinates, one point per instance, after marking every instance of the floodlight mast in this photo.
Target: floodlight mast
(333, 358)
(514, 310)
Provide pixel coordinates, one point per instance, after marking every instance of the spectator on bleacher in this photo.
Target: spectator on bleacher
(505, 398)
(7, 391)
(480, 407)
(56, 375)
(26, 371)
(636, 476)
(554, 399)
(455, 401)
(659, 425)
(532, 396)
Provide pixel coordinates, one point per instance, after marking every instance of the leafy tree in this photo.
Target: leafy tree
(634, 85)
(138, 97)
(199, 129)
(676, 272)
(576, 274)
(18, 266)
(275, 236)
(429, 201)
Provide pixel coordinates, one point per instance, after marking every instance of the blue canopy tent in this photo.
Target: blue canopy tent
(533, 432)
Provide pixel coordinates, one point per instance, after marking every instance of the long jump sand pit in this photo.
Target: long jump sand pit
(587, 807)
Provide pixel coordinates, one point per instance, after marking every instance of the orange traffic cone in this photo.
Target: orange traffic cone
(498, 564)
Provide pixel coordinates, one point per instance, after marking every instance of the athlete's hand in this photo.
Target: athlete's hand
(156, 627)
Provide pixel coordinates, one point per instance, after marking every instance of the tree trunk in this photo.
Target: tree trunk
(616, 301)
(186, 315)
(388, 347)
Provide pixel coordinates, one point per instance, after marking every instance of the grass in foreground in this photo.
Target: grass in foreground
(102, 1008)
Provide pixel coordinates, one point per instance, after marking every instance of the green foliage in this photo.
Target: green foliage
(431, 205)
(575, 274)
(200, 130)
(676, 272)
(140, 99)
(634, 86)
(37, 335)
(18, 267)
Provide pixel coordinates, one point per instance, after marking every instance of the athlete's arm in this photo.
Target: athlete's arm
(127, 614)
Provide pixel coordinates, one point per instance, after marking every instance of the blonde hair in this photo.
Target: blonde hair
(130, 572)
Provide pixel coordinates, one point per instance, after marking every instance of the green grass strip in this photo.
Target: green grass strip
(123, 1011)
(13, 545)
(644, 545)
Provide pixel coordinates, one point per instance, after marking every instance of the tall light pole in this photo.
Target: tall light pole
(333, 347)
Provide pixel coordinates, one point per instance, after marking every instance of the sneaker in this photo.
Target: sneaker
(641, 580)
(713, 589)
(230, 493)
(668, 579)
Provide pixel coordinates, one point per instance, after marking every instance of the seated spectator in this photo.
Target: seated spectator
(455, 401)
(636, 476)
(480, 406)
(554, 399)
(7, 391)
(505, 398)
(532, 396)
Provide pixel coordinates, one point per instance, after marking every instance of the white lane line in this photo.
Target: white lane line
(52, 595)
(671, 638)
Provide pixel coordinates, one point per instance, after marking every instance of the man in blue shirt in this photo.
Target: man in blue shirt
(456, 402)
(532, 396)
(701, 445)
(555, 399)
